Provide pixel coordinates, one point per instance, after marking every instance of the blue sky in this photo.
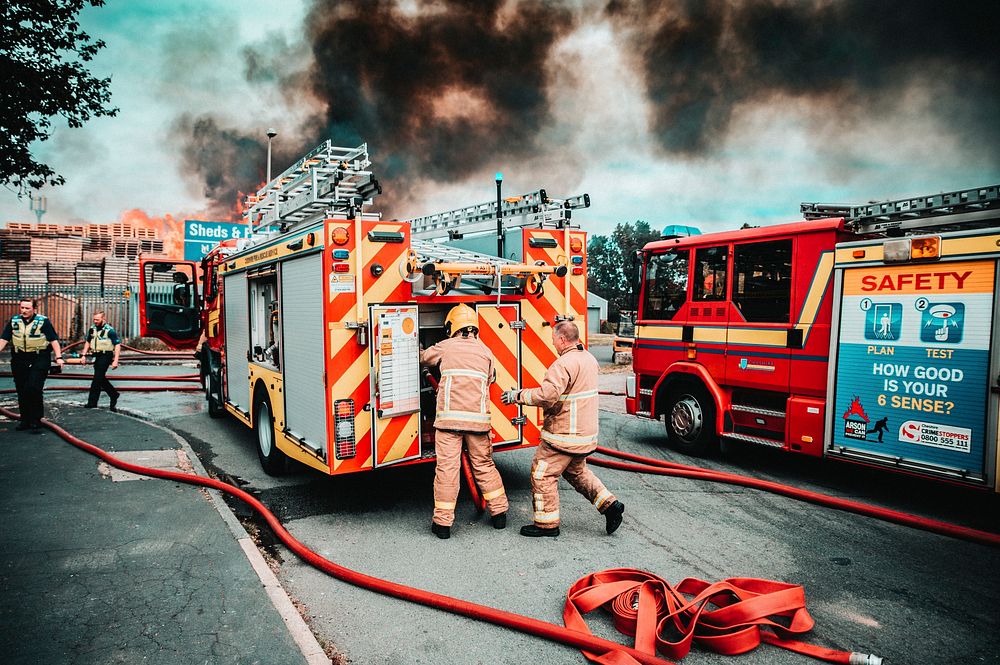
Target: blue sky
(772, 148)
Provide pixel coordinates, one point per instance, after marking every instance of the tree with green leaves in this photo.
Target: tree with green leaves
(42, 52)
(613, 271)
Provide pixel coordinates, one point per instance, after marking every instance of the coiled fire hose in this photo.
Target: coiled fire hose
(737, 599)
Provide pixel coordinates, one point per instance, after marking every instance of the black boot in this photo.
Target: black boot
(23, 426)
(88, 405)
(441, 531)
(533, 531)
(114, 402)
(613, 516)
(499, 521)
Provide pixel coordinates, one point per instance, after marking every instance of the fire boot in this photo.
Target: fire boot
(613, 516)
(534, 531)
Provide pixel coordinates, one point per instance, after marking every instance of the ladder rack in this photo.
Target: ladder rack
(327, 180)
(533, 209)
(977, 206)
(434, 251)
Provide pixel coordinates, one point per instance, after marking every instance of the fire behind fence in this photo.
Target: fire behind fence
(71, 308)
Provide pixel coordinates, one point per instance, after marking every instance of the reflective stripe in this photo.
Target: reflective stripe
(569, 438)
(546, 518)
(539, 471)
(445, 505)
(572, 416)
(494, 494)
(575, 396)
(465, 372)
(526, 397)
(473, 416)
(539, 505)
(601, 498)
(447, 393)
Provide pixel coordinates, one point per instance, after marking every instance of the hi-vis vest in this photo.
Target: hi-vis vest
(100, 340)
(28, 337)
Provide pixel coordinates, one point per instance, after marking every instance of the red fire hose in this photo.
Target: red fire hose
(664, 468)
(121, 377)
(582, 595)
(121, 389)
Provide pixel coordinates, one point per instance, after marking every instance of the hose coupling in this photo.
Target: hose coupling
(865, 659)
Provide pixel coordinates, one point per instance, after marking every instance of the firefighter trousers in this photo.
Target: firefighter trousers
(102, 361)
(448, 447)
(30, 371)
(550, 463)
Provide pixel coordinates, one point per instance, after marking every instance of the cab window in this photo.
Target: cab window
(762, 281)
(666, 285)
(710, 273)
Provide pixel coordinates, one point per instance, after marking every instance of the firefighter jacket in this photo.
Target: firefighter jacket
(29, 336)
(103, 339)
(568, 399)
(463, 398)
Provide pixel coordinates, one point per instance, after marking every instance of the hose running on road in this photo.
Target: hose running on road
(595, 648)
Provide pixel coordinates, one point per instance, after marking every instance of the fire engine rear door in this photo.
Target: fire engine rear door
(499, 329)
(914, 349)
(394, 354)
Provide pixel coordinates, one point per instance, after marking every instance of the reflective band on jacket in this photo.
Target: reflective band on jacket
(28, 337)
(575, 396)
(569, 439)
(546, 518)
(464, 372)
(472, 416)
(601, 498)
(101, 341)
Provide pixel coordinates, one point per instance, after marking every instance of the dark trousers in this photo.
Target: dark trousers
(30, 371)
(102, 361)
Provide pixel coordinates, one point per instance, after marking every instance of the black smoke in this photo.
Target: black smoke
(850, 59)
(437, 89)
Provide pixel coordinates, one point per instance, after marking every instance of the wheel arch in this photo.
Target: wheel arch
(689, 372)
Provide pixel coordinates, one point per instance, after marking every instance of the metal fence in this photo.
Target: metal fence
(71, 308)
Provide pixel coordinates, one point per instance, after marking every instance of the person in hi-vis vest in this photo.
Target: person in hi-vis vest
(104, 341)
(463, 416)
(568, 397)
(32, 339)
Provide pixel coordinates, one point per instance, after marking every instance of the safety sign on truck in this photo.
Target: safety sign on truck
(912, 360)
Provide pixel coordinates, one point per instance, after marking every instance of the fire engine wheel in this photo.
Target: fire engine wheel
(690, 421)
(213, 395)
(271, 459)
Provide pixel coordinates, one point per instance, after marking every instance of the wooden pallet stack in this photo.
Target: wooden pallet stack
(44, 249)
(89, 272)
(125, 248)
(33, 272)
(15, 248)
(8, 271)
(62, 273)
(69, 250)
(116, 270)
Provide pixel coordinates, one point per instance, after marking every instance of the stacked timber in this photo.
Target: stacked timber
(62, 273)
(8, 270)
(89, 272)
(69, 250)
(116, 270)
(43, 250)
(125, 248)
(33, 272)
(15, 248)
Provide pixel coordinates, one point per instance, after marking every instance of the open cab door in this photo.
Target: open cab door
(169, 308)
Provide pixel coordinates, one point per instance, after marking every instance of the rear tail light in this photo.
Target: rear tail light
(345, 444)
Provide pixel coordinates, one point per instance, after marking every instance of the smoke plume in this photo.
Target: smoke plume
(845, 59)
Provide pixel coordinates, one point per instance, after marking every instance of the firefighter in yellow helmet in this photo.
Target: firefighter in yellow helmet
(463, 415)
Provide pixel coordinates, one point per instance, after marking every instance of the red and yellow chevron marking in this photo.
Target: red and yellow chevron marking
(398, 438)
(347, 367)
(496, 333)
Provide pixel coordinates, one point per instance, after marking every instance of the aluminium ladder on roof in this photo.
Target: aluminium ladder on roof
(327, 180)
(533, 209)
(978, 205)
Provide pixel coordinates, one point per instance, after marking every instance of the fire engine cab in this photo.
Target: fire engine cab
(863, 333)
(309, 330)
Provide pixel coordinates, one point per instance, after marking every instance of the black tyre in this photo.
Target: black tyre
(213, 395)
(272, 460)
(690, 420)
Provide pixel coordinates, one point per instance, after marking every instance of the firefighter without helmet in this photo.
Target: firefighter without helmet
(459, 318)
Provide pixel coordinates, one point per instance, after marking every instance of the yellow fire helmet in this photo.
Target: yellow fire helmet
(460, 317)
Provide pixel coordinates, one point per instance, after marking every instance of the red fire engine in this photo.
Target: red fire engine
(312, 325)
(863, 333)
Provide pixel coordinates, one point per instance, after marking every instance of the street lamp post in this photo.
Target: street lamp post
(271, 133)
(500, 243)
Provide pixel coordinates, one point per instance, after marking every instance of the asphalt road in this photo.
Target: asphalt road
(907, 595)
